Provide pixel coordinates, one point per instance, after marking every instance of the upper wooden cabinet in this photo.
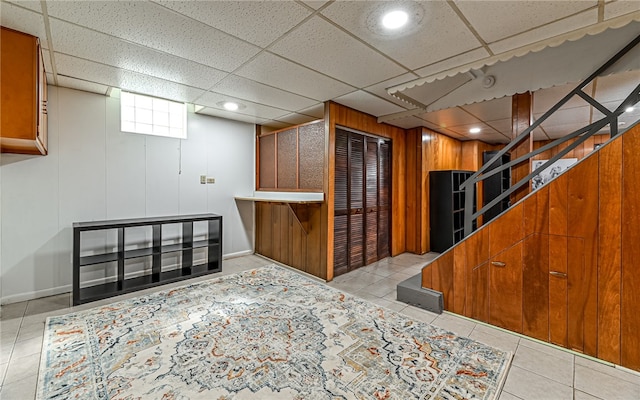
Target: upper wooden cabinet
(23, 104)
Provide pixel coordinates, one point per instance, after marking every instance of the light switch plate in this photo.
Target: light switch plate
(203, 179)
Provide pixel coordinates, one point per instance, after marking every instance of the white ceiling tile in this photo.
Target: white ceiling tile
(464, 130)
(368, 103)
(560, 130)
(247, 89)
(453, 62)
(406, 122)
(321, 46)
(214, 112)
(315, 3)
(50, 79)
(449, 117)
(238, 18)
(23, 20)
(567, 115)
(163, 30)
(78, 84)
(546, 31)
(491, 110)
(616, 87)
(33, 5)
(275, 71)
(620, 7)
(127, 80)
(212, 100)
(274, 126)
(95, 46)
(295, 119)
(380, 89)
(501, 125)
(495, 20)
(435, 29)
(538, 134)
(544, 99)
(316, 111)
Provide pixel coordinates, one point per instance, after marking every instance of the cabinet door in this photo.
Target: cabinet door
(505, 289)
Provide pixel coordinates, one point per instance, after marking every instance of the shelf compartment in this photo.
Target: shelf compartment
(110, 289)
(147, 251)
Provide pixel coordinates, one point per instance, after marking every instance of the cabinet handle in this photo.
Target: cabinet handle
(558, 274)
(498, 264)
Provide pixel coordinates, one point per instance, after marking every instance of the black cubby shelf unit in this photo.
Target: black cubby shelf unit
(154, 248)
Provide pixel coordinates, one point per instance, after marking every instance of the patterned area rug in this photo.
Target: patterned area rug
(268, 333)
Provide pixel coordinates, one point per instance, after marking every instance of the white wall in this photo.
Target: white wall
(95, 172)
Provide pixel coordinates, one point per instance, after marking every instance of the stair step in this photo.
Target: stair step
(410, 291)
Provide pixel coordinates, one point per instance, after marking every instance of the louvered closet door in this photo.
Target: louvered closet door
(362, 188)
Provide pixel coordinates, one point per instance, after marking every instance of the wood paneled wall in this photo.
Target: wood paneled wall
(291, 159)
(431, 151)
(560, 265)
(579, 152)
(336, 114)
(291, 234)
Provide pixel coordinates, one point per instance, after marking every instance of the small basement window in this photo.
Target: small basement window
(152, 116)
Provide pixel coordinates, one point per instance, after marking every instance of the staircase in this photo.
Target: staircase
(559, 265)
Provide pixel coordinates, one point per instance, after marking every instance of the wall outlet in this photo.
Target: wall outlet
(211, 180)
(203, 179)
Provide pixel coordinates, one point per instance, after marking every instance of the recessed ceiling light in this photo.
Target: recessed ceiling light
(231, 106)
(474, 130)
(395, 19)
(629, 109)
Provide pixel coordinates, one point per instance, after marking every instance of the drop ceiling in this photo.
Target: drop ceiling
(283, 59)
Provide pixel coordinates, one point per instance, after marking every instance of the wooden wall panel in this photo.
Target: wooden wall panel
(579, 152)
(267, 165)
(535, 288)
(414, 191)
(630, 322)
(287, 159)
(558, 290)
(521, 118)
(459, 279)
(505, 288)
(536, 212)
(442, 278)
(582, 217)
(291, 235)
(507, 230)
(478, 300)
(610, 252)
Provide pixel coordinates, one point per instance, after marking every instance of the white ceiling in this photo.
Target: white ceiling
(283, 59)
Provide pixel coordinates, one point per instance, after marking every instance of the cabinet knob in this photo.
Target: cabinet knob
(498, 264)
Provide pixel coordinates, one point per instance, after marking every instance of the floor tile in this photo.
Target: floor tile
(546, 348)
(459, 326)
(508, 396)
(499, 342)
(419, 314)
(557, 369)
(47, 304)
(12, 311)
(578, 395)
(3, 370)
(391, 305)
(529, 386)
(27, 347)
(21, 368)
(617, 373)
(602, 385)
(30, 331)
(24, 389)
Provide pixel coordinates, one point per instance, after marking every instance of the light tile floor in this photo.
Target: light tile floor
(538, 371)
